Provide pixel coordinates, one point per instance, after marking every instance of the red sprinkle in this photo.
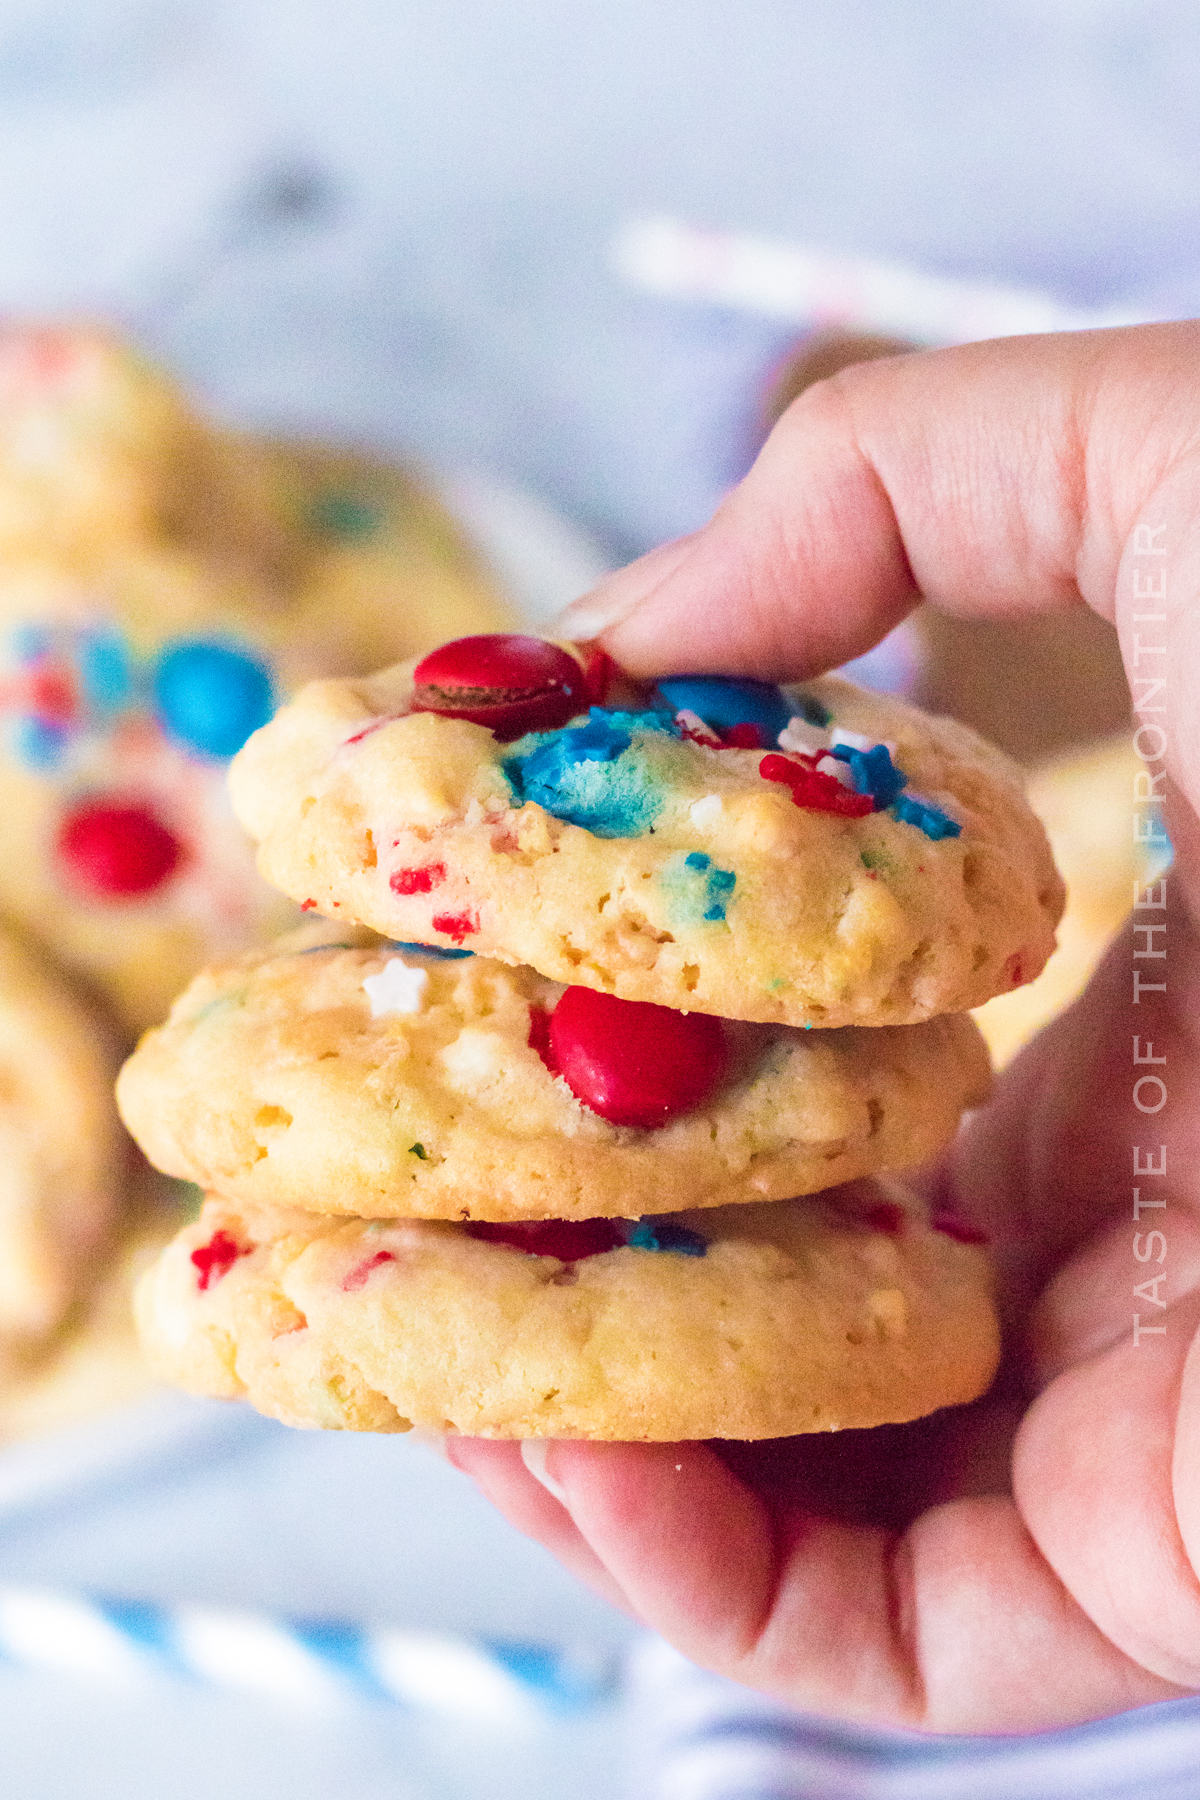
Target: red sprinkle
(813, 789)
(375, 725)
(217, 1257)
(570, 1240)
(632, 1062)
(953, 1227)
(1014, 969)
(308, 906)
(539, 1036)
(886, 1216)
(508, 682)
(418, 881)
(456, 925)
(114, 850)
(357, 1277)
(746, 736)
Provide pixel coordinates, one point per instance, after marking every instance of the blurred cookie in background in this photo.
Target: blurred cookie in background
(162, 587)
(164, 584)
(64, 1161)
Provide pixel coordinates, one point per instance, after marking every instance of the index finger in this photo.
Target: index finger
(991, 479)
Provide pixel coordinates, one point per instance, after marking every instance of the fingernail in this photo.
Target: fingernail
(533, 1455)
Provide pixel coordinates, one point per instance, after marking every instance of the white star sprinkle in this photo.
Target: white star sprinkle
(396, 989)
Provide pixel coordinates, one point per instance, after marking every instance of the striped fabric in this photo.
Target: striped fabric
(701, 1738)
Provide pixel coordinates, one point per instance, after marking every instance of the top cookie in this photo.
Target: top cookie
(880, 867)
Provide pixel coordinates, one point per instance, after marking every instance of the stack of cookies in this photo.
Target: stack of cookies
(510, 1143)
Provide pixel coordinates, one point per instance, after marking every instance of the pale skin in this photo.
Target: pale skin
(1033, 1560)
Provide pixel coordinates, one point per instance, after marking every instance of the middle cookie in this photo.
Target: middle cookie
(336, 1072)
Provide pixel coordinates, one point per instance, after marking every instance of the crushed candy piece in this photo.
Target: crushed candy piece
(217, 1257)
(570, 1240)
(660, 1234)
(814, 791)
(582, 774)
(396, 989)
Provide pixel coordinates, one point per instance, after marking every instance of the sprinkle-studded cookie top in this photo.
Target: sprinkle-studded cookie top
(866, 865)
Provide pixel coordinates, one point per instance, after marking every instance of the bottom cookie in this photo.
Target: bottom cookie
(842, 1309)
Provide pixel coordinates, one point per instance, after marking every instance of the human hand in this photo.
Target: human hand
(1031, 1560)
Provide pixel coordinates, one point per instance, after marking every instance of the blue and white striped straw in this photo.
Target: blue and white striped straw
(314, 1662)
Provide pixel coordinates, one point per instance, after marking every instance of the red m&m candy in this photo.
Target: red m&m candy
(116, 850)
(509, 683)
(570, 1240)
(634, 1063)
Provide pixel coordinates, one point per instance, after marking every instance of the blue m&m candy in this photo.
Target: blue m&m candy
(211, 695)
(724, 703)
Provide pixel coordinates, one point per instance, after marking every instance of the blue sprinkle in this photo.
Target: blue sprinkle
(659, 1235)
(37, 744)
(437, 950)
(582, 774)
(211, 696)
(929, 819)
(696, 891)
(723, 703)
(873, 772)
(106, 670)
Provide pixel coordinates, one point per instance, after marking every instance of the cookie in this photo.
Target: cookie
(63, 1159)
(760, 1321)
(162, 587)
(878, 867)
(338, 1074)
